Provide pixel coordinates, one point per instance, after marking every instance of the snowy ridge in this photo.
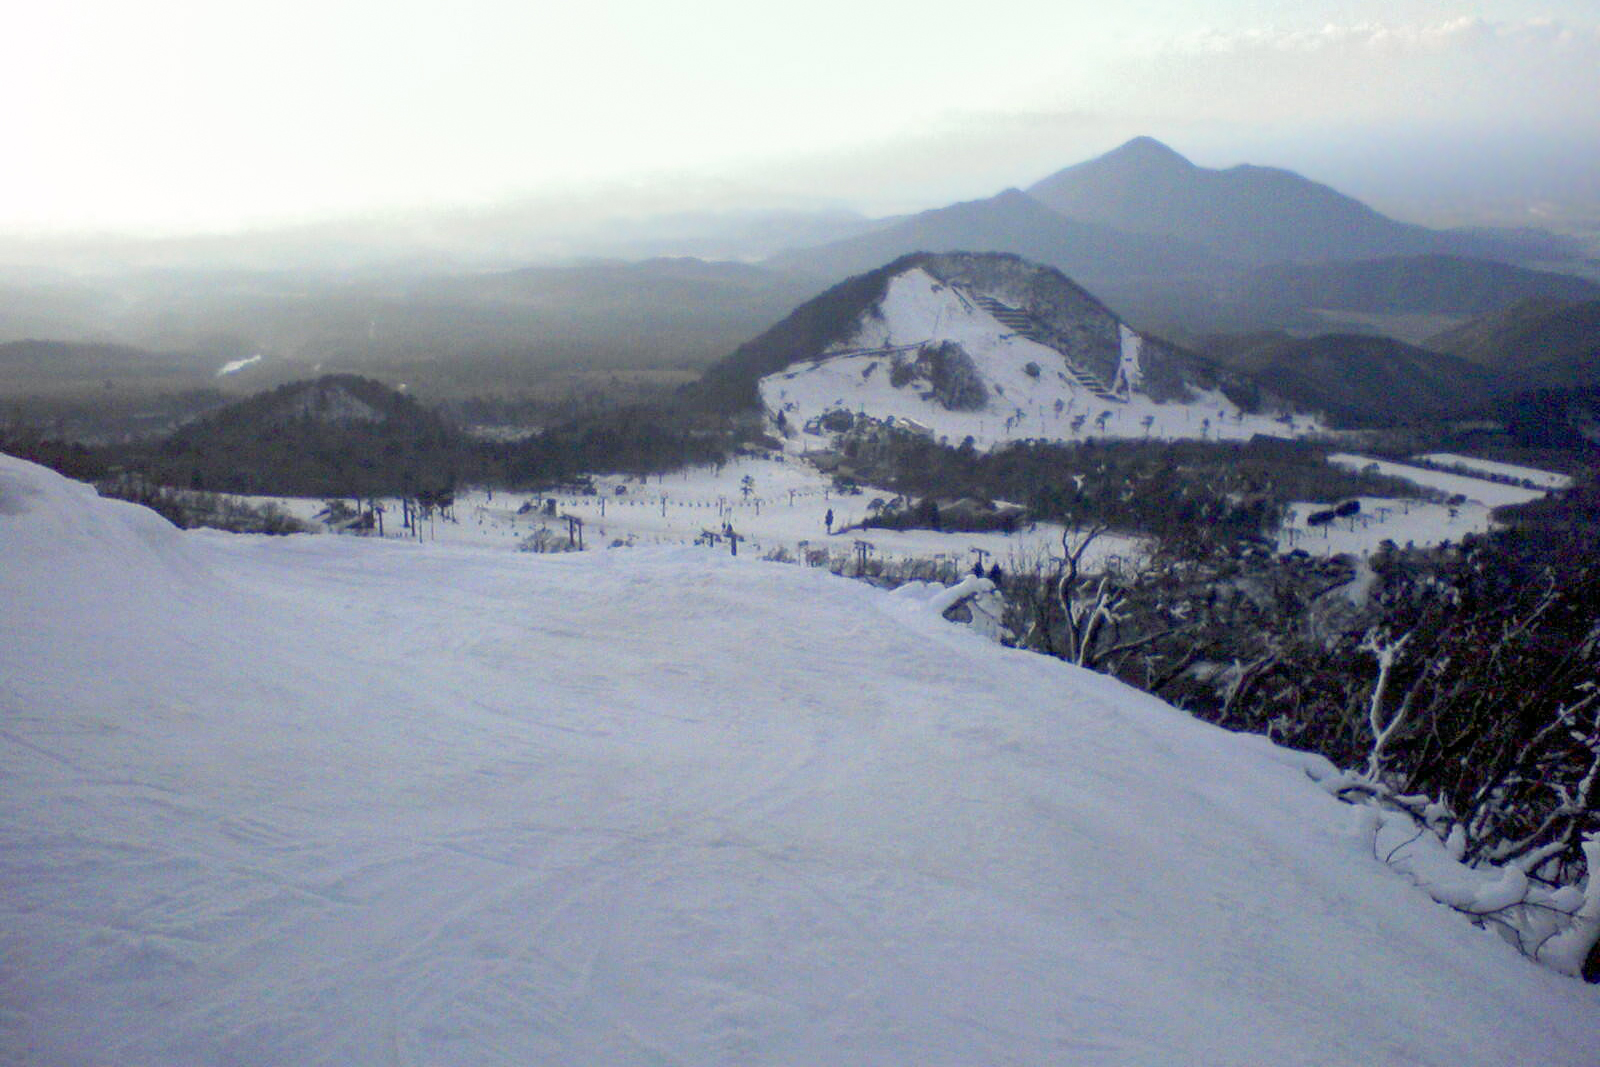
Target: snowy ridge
(1030, 388)
(323, 801)
(234, 366)
(71, 531)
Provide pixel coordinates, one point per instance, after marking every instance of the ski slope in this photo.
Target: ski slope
(1047, 403)
(1405, 523)
(1515, 471)
(337, 801)
(1410, 523)
(1479, 491)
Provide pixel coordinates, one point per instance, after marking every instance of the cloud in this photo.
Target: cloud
(1463, 71)
(183, 113)
(1458, 34)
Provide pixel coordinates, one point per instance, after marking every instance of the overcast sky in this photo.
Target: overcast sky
(200, 114)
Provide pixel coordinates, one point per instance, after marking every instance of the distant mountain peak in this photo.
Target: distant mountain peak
(1014, 196)
(1147, 151)
(1245, 213)
(333, 399)
(1249, 213)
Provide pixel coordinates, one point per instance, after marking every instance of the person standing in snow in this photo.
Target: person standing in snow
(828, 520)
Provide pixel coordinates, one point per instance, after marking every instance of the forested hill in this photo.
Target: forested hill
(337, 435)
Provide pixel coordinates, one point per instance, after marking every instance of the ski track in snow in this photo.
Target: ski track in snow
(328, 801)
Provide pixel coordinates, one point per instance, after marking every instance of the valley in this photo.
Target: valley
(1144, 617)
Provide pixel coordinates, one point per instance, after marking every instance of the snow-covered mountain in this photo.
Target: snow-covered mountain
(321, 801)
(992, 347)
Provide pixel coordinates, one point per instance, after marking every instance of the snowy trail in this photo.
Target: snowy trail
(331, 801)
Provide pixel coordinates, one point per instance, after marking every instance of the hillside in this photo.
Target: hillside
(1436, 284)
(318, 801)
(35, 366)
(444, 333)
(1543, 343)
(982, 345)
(1553, 418)
(315, 438)
(1251, 214)
(1361, 380)
(1011, 222)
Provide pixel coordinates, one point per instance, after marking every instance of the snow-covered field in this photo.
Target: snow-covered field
(917, 309)
(786, 510)
(1408, 523)
(1405, 522)
(1473, 465)
(335, 801)
(1478, 491)
(787, 507)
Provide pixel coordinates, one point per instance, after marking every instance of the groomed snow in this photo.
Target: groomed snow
(332, 801)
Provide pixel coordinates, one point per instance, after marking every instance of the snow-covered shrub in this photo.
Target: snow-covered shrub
(188, 508)
(1556, 924)
(545, 539)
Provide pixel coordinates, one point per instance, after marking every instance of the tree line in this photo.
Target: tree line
(268, 446)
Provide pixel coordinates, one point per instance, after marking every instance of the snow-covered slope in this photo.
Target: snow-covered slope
(1513, 472)
(1469, 508)
(997, 349)
(327, 801)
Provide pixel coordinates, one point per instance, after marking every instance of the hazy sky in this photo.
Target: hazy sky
(193, 114)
